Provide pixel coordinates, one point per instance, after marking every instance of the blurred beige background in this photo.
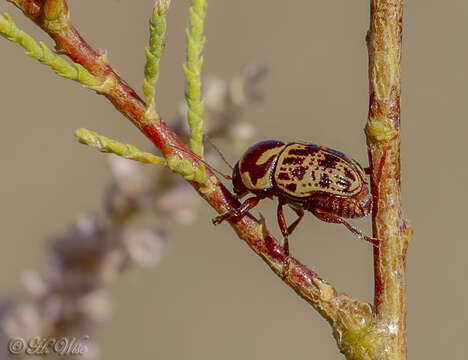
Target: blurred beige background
(211, 298)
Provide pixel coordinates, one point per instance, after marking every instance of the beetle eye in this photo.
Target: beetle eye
(238, 186)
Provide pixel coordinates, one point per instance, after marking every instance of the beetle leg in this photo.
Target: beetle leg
(245, 207)
(282, 225)
(285, 231)
(330, 218)
(300, 214)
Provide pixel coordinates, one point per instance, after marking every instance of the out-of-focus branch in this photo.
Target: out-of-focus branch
(348, 316)
(69, 298)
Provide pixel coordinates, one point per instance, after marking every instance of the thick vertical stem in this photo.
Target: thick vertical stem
(383, 137)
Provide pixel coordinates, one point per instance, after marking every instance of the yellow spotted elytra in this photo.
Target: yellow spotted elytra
(306, 177)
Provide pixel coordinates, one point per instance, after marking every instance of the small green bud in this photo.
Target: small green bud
(162, 6)
(54, 8)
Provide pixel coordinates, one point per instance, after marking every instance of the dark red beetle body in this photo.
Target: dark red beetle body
(305, 177)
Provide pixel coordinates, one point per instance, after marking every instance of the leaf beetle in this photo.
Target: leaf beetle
(305, 176)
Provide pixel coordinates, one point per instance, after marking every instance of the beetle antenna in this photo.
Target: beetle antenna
(227, 177)
(218, 151)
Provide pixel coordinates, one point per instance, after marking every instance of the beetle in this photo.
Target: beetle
(305, 176)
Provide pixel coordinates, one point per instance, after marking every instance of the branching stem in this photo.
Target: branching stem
(361, 332)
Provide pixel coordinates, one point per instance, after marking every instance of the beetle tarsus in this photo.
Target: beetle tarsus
(235, 213)
(219, 219)
(374, 241)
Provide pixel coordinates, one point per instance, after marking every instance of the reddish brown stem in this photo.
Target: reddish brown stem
(383, 137)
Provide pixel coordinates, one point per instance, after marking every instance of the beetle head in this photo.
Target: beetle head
(254, 171)
(238, 186)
